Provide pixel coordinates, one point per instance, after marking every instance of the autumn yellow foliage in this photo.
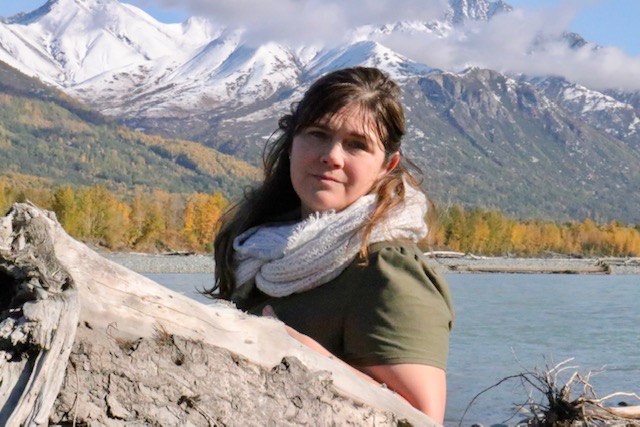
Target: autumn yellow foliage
(486, 232)
(151, 221)
(145, 221)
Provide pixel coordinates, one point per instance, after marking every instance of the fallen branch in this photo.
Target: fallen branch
(558, 407)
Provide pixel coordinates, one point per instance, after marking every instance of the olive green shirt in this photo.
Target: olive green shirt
(390, 308)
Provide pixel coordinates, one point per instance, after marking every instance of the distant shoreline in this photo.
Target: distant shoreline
(178, 263)
(540, 265)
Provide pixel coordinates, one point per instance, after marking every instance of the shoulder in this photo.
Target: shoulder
(397, 253)
(403, 261)
(401, 311)
(396, 275)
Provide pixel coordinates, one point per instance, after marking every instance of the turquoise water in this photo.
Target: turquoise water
(507, 324)
(510, 323)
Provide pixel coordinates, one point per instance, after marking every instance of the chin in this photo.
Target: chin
(325, 206)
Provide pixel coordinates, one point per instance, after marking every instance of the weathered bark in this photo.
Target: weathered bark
(85, 340)
(38, 325)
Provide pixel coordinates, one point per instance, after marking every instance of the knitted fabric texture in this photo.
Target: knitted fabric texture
(289, 258)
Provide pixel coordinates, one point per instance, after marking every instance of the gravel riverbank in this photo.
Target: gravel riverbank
(153, 263)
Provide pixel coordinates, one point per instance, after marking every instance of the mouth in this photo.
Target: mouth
(326, 178)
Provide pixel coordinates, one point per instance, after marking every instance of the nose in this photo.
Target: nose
(333, 155)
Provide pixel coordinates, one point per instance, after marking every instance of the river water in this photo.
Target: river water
(507, 324)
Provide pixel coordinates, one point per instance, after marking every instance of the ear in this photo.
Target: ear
(391, 164)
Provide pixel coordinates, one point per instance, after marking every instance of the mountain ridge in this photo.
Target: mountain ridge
(225, 93)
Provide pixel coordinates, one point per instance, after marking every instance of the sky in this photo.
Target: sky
(605, 22)
(499, 44)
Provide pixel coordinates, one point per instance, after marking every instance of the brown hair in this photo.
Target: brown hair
(376, 95)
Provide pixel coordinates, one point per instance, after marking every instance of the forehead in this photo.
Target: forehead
(354, 120)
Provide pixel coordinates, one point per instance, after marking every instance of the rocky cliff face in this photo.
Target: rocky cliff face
(481, 135)
(478, 10)
(614, 113)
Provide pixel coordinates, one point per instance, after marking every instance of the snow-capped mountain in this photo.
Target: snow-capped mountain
(477, 10)
(71, 41)
(101, 49)
(505, 137)
(123, 62)
(611, 113)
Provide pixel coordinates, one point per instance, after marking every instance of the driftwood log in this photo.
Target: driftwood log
(84, 341)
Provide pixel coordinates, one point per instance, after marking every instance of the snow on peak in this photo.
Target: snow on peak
(73, 41)
(614, 114)
(367, 53)
(478, 10)
(256, 73)
(115, 55)
(412, 28)
(591, 100)
(123, 61)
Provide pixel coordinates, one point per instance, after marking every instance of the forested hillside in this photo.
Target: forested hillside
(528, 141)
(45, 133)
(125, 190)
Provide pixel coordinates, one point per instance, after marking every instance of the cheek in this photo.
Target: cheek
(297, 152)
(298, 161)
(294, 155)
(364, 176)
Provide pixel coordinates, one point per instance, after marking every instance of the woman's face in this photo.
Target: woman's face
(338, 160)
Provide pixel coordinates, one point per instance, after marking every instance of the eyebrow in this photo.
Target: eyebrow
(326, 126)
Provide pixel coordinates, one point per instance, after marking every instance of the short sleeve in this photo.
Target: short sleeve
(400, 312)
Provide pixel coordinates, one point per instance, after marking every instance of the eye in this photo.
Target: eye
(317, 133)
(357, 144)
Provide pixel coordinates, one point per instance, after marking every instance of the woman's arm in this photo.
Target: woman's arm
(316, 346)
(423, 386)
(267, 311)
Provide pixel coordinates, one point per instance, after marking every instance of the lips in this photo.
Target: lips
(326, 178)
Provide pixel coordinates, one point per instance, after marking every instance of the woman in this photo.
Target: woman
(327, 243)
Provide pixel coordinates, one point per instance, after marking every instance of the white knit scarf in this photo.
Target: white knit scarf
(295, 257)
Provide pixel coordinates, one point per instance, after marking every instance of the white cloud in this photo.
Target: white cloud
(523, 41)
(305, 21)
